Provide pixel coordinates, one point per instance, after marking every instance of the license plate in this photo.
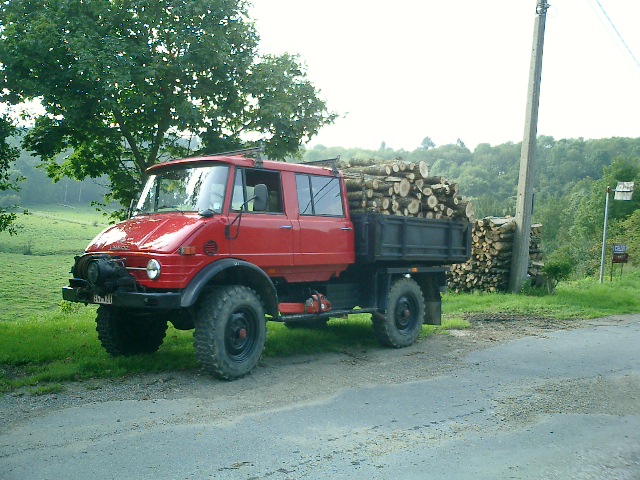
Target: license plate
(106, 300)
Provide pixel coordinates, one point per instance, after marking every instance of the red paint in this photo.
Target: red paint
(284, 244)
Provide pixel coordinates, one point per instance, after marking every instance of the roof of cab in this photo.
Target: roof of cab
(243, 161)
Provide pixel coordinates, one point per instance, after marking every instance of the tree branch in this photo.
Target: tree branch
(131, 140)
(163, 125)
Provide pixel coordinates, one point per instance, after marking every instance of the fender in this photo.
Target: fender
(252, 276)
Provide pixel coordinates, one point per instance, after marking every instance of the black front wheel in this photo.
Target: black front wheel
(401, 324)
(230, 331)
(123, 332)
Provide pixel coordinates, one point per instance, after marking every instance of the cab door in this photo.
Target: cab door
(263, 238)
(326, 234)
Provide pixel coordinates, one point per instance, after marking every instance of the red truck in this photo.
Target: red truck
(222, 243)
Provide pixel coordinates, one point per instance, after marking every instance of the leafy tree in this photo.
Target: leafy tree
(622, 169)
(427, 143)
(8, 181)
(125, 82)
(630, 234)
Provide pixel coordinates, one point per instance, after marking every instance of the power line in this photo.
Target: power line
(618, 33)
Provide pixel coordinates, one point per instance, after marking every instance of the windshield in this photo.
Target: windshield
(185, 189)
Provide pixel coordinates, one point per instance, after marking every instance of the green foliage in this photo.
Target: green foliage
(555, 271)
(427, 143)
(629, 233)
(8, 155)
(127, 85)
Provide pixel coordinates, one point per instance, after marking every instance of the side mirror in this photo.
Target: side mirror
(261, 196)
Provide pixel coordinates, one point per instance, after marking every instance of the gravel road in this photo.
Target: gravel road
(508, 398)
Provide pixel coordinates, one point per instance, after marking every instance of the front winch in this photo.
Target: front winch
(103, 273)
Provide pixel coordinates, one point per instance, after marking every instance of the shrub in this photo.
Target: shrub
(555, 271)
(27, 248)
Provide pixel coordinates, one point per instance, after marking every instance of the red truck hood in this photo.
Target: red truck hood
(163, 233)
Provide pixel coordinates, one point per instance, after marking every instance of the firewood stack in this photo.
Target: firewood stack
(405, 188)
(402, 188)
(490, 264)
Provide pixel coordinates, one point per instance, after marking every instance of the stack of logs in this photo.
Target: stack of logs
(405, 188)
(490, 264)
(402, 188)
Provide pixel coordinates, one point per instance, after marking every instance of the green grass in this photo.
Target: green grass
(30, 282)
(53, 231)
(58, 347)
(580, 299)
(42, 351)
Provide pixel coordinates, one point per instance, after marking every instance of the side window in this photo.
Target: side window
(244, 183)
(319, 195)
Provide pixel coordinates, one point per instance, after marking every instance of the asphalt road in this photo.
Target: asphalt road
(564, 405)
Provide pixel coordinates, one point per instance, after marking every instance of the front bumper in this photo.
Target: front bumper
(160, 301)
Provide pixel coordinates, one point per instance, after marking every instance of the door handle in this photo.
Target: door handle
(286, 227)
(346, 228)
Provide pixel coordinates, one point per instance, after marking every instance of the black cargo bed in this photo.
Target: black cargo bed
(382, 238)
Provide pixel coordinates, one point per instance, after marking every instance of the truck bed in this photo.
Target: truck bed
(382, 238)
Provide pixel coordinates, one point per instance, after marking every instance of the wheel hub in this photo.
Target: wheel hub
(241, 333)
(404, 313)
(240, 341)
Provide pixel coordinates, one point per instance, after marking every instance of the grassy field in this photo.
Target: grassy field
(36, 262)
(577, 299)
(53, 230)
(44, 342)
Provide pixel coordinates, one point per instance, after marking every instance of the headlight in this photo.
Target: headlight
(153, 269)
(93, 272)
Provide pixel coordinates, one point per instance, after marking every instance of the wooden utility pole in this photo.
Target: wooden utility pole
(524, 205)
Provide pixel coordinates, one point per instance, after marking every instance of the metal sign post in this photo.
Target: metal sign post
(623, 191)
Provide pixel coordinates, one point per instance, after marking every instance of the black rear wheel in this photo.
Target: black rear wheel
(401, 324)
(123, 332)
(230, 331)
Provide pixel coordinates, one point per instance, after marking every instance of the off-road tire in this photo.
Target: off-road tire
(400, 326)
(124, 333)
(230, 331)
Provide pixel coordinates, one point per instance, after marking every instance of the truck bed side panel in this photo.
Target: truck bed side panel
(382, 238)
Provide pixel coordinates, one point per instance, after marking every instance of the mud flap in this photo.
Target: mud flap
(433, 312)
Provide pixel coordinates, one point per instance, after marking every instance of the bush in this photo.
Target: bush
(532, 288)
(555, 271)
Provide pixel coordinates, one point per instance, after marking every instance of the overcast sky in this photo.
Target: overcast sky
(399, 71)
